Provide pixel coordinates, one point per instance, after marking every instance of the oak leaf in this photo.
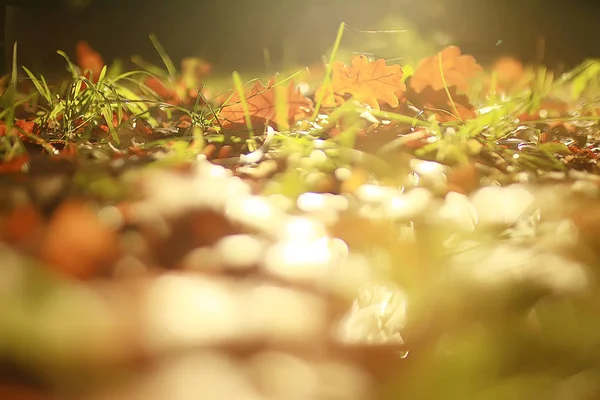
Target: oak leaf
(262, 104)
(456, 71)
(89, 60)
(437, 102)
(372, 83)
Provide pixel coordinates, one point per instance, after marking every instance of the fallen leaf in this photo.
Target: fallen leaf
(77, 243)
(509, 72)
(457, 70)
(548, 108)
(89, 60)
(438, 103)
(183, 88)
(315, 72)
(167, 92)
(115, 122)
(184, 122)
(209, 151)
(262, 102)
(225, 152)
(463, 179)
(372, 83)
(22, 226)
(25, 126)
(20, 392)
(14, 165)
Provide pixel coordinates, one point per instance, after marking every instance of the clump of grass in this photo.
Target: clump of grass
(71, 112)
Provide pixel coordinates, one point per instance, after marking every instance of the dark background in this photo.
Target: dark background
(232, 34)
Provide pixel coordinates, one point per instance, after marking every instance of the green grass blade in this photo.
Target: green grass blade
(57, 110)
(586, 78)
(327, 80)
(281, 106)
(152, 69)
(14, 73)
(133, 102)
(391, 116)
(72, 68)
(163, 55)
(239, 87)
(118, 100)
(39, 85)
(9, 97)
(105, 109)
(47, 89)
(129, 75)
(102, 74)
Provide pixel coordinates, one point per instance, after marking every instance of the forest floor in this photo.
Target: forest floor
(357, 229)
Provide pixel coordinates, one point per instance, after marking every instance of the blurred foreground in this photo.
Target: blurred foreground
(199, 287)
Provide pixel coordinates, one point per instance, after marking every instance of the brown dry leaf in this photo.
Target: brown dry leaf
(437, 102)
(10, 391)
(550, 108)
(19, 125)
(372, 83)
(89, 60)
(508, 70)
(183, 89)
(22, 226)
(463, 179)
(167, 92)
(510, 74)
(262, 104)
(457, 69)
(14, 165)
(77, 243)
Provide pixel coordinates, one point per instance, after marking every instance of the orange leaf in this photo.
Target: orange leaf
(15, 165)
(508, 69)
(437, 102)
(510, 73)
(368, 82)
(21, 392)
(184, 88)
(262, 104)
(159, 88)
(457, 69)
(22, 225)
(115, 122)
(25, 126)
(89, 60)
(93, 246)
